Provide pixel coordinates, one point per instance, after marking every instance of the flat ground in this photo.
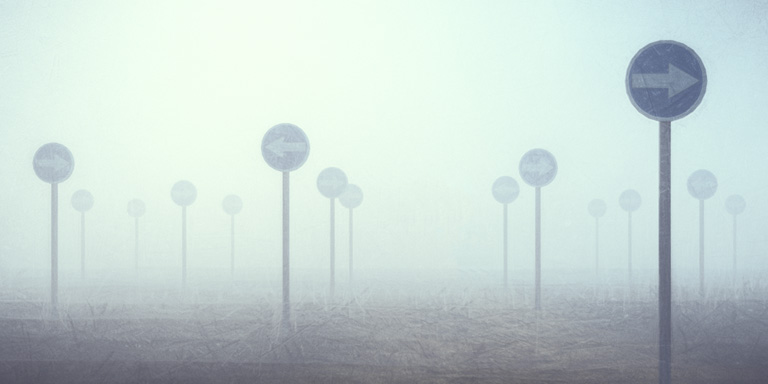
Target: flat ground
(424, 334)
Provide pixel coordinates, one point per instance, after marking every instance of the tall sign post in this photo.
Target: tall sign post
(183, 194)
(232, 205)
(53, 163)
(285, 148)
(351, 199)
(82, 201)
(629, 201)
(735, 205)
(597, 209)
(505, 190)
(538, 168)
(702, 185)
(331, 182)
(665, 81)
(136, 209)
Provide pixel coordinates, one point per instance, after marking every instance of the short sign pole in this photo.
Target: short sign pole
(505, 190)
(82, 201)
(702, 185)
(136, 209)
(351, 198)
(183, 194)
(232, 205)
(285, 148)
(331, 182)
(735, 204)
(597, 209)
(53, 163)
(665, 81)
(538, 168)
(629, 201)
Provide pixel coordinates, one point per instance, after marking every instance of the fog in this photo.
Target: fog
(423, 105)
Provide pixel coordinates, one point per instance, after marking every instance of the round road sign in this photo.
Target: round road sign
(183, 193)
(331, 182)
(666, 80)
(538, 167)
(735, 204)
(82, 200)
(505, 189)
(352, 196)
(597, 208)
(630, 200)
(232, 204)
(702, 184)
(285, 147)
(136, 208)
(53, 163)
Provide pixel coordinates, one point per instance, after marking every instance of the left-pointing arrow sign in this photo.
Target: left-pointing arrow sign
(675, 80)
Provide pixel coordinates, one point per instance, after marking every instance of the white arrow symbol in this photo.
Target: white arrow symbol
(675, 80)
(540, 168)
(280, 146)
(57, 163)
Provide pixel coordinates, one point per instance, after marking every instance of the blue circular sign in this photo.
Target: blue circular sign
(666, 80)
(285, 147)
(53, 163)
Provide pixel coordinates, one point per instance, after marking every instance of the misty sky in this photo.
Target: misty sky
(422, 103)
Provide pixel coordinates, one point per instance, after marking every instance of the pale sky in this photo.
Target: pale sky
(423, 104)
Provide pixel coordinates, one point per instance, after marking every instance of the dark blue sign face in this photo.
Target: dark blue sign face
(285, 147)
(666, 80)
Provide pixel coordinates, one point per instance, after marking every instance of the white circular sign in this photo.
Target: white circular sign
(53, 163)
(352, 196)
(702, 184)
(597, 208)
(136, 208)
(285, 147)
(538, 167)
(183, 193)
(232, 204)
(735, 204)
(630, 200)
(331, 182)
(82, 200)
(505, 189)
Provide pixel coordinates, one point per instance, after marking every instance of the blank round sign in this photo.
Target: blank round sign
(82, 200)
(183, 193)
(702, 184)
(232, 204)
(597, 208)
(352, 197)
(505, 189)
(136, 208)
(331, 182)
(735, 204)
(630, 200)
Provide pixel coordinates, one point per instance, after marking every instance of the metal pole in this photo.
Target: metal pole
(136, 247)
(665, 252)
(82, 245)
(232, 255)
(597, 246)
(350, 245)
(734, 249)
(701, 247)
(538, 248)
(333, 247)
(55, 248)
(506, 244)
(629, 249)
(286, 252)
(184, 246)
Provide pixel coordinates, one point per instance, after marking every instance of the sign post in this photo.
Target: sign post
(351, 199)
(735, 205)
(53, 163)
(136, 209)
(331, 182)
(505, 190)
(597, 209)
(702, 185)
(538, 168)
(629, 201)
(183, 194)
(82, 201)
(665, 81)
(232, 205)
(285, 148)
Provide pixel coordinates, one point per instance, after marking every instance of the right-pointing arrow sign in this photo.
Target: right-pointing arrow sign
(56, 163)
(279, 147)
(675, 80)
